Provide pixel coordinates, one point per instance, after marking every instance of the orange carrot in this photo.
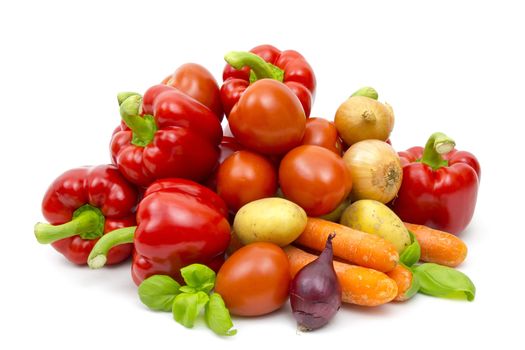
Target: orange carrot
(357, 247)
(403, 278)
(360, 285)
(438, 246)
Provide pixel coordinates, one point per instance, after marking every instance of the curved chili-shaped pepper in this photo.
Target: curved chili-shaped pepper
(83, 204)
(179, 222)
(266, 61)
(167, 134)
(440, 185)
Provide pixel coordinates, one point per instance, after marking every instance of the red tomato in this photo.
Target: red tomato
(255, 280)
(227, 147)
(196, 81)
(322, 132)
(314, 178)
(268, 118)
(244, 177)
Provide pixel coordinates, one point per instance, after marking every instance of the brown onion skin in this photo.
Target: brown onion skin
(315, 292)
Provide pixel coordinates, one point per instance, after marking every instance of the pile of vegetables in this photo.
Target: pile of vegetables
(289, 207)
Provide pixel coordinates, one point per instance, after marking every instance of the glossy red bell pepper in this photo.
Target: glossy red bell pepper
(166, 134)
(266, 61)
(440, 185)
(196, 81)
(81, 205)
(179, 222)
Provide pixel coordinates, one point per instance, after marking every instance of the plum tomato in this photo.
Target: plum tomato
(322, 132)
(314, 178)
(268, 118)
(255, 280)
(244, 177)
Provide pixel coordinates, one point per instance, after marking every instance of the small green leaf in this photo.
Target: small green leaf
(158, 292)
(199, 276)
(414, 287)
(186, 307)
(444, 282)
(218, 317)
(412, 253)
(187, 289)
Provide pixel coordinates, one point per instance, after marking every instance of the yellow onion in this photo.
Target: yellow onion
(375, 169)
(361, 118)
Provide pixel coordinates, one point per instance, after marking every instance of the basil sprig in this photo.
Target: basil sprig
(433, 279)
(412, 253)
(444, 282)
(186, 302)
(158, 292)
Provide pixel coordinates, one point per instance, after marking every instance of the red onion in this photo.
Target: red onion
(315, 294)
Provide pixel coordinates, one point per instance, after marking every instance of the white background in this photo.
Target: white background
(455, 67)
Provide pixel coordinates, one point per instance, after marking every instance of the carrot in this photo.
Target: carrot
(357, 247)
(360, 285)
(438, 246)
(403, 278)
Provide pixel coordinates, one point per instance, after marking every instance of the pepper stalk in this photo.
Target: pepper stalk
(437, 145)
(98, 256)
(143, 127)
(87, 222)
(260, 69)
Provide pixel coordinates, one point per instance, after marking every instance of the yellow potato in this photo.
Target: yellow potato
(376, 218)
(275, 220)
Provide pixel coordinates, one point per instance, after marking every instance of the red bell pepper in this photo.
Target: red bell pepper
(82, 204)
(266, 61)
(179, 222)
(167, 134)
(196, 81)
(440, 185)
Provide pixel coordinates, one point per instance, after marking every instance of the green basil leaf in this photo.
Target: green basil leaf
(218, 317)
(199, 276)
(414, 287)
(444, 282)
(186, 307)
(158, 292)
(187, 289)
(412, 253)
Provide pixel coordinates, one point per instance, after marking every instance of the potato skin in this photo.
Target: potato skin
(275, 220)
(376, 218)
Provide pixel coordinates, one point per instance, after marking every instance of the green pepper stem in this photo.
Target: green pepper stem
(437, 145)
(143, 128)
(98, 256)
(261, 68)
(88, 222)
(122, 96)
(366, 91)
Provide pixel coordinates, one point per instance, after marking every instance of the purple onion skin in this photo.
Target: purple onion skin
(315, 293)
